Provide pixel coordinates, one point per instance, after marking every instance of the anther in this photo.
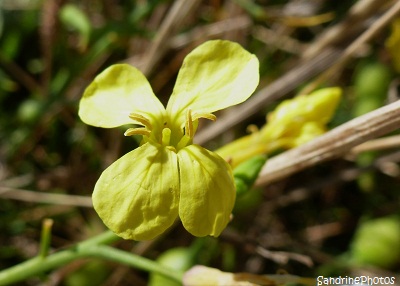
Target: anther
(137, 131)
(183, 142)
(189, 124)
(140, 119)
(252, 128)
(208, 116)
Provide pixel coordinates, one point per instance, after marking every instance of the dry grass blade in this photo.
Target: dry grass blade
(332, 144)
(19, 74)
(37, 197)
(353, 22)
(47, 31)
(178, 12)
(353, 48)
(378, 144)
(209, 31)
(283, 256)
(277, 40)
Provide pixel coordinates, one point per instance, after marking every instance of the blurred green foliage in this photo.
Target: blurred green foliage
(377, 242)
(51, 50)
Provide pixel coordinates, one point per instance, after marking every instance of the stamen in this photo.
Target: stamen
(171, 148)
(252, 128)
(183, 142)
(141, 120)
(208, 116)
(189, 124)
(166, 136)
(137, 131)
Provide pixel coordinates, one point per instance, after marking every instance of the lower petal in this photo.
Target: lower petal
(207, 191)
(137, 197)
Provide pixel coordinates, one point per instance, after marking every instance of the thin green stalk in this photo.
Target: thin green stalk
(45, 238)
(37, 265)
(92, 247)
(107, 252)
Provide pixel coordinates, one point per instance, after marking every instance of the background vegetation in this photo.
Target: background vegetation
(338, 217)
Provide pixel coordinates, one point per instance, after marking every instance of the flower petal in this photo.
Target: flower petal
(214, 76)
(137, 196)
(207, 191)
(289, 116)
(116, 93)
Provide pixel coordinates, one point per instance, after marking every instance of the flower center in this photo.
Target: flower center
(165, 132)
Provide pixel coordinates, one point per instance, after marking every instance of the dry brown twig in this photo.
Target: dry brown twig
(179, 11)
(349, 26)
(38, 197)
(20, 75)
(212, 30)
(277, 40)
(355, 46)
(378, 144)
(47, 32)
(332, 144)
(283, 257)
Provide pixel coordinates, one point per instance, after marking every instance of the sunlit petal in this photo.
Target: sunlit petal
(116, 93)
(137, 196)
(214, 76)
(207, 191)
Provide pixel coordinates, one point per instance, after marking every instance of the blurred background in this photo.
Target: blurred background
(337, 218)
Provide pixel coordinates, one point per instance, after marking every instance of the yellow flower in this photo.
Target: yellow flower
(140, 195)
(393, 44)
(293, 122)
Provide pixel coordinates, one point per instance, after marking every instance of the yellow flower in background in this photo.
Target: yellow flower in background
(393, 44)
(302, 116)
(140, 195)
(292, 123)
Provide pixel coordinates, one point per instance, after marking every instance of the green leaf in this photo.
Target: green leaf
(247, 172)
(73, 17)
(178, 258)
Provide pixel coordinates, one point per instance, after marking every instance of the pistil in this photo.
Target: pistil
(166, 136)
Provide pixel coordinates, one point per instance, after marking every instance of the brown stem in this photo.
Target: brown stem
(332, 144)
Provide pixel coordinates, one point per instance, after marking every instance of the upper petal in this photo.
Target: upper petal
(137, 196)
(207, 191)
(114, 94)
(214, 76)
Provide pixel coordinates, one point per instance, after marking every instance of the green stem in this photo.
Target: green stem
(45, 238)
(37, 265)
(107, 252)
(89, 248)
